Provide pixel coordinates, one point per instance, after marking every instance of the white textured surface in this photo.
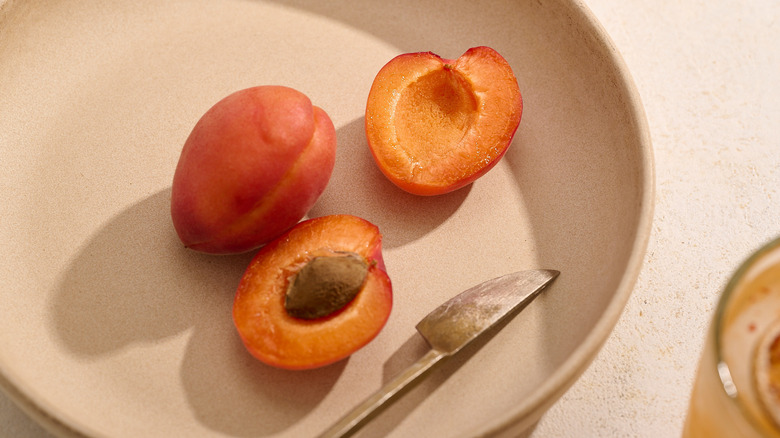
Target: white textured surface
(707, 73)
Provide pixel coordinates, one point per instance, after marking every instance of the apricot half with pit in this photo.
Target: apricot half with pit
(315, 295)
(435, 125)
(251, 168)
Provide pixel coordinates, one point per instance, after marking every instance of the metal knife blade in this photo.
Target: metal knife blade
(447, 329)
(460, 320)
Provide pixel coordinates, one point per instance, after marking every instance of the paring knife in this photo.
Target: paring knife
(449, 328)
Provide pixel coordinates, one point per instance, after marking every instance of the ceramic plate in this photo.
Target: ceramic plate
(110, 327)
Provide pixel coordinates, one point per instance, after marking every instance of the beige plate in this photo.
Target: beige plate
(110, 328)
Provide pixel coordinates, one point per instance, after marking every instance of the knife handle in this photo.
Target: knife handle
(356, 418)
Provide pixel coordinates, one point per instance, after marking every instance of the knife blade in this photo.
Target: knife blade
(449, 328)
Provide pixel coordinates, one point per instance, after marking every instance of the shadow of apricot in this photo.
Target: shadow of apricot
(357, 187)
(133, 283)
(233, 393)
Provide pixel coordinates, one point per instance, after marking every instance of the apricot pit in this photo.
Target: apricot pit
(325, 285)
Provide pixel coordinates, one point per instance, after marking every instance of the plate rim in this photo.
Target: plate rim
(577, 362)
(527, 414)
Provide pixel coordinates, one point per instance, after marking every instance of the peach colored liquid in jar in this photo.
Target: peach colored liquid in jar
(737, 389)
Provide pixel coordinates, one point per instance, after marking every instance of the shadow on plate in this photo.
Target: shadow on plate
(394, 412)
(357, 187)
(423, 25)
(134, 284)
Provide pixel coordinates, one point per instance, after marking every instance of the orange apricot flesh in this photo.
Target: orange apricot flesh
(435, 125)
(275, 337)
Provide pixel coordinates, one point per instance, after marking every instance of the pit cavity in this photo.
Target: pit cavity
(434, 113)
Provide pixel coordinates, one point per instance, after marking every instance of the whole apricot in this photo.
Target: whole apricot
(435, 125)
(251, 168)
(315, 295)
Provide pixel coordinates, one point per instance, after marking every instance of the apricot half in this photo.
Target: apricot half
(251, 168)
(262, 311)
(435, 125)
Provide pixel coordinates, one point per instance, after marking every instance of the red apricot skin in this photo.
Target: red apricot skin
(435, 125)
(251, 168)
(274, 337)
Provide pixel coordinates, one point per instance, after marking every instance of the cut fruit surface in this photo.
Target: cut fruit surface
(435, 125)
(273, 335)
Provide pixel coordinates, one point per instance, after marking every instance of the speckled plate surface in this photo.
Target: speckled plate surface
(108, 327)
